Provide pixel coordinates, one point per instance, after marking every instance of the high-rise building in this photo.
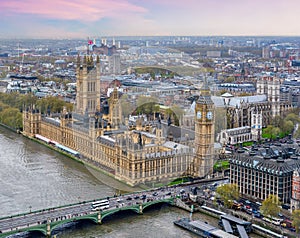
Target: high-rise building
(266, 52)
(114, 64)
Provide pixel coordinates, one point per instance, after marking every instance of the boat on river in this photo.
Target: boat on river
(202, 229)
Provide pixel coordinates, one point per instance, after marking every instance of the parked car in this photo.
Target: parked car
(286, 206)
(257, 214)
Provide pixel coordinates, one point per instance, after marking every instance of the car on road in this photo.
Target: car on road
(143, 197)
(155, 194)
(168, 194)
(119, 200)
(257, 214)
(129, 198)
(258, 204)
(136, 197)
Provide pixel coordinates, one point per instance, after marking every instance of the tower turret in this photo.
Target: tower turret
(204, 134)
(31, 121)
(88, 87)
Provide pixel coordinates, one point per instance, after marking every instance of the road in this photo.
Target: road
(56, 214)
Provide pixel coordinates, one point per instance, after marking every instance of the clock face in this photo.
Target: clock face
(199, 115)
(209, 115)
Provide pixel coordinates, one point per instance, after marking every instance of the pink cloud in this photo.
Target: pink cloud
(86, 10)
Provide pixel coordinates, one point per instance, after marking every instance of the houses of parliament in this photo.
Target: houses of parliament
(143, 152)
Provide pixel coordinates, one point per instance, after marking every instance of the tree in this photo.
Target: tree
(271, 206)
(287, 127)
(271, 132)
(292, 117)
(127, 107)
(296, 220)
(277, 121)
(177, 113)
(229, 79)
(297, 133)
(228, 193)
(146, 105)
(11, 117)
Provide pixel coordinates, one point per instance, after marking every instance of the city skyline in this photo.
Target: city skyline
(77, 19)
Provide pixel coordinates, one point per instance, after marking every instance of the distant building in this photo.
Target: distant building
(236, 135)
(213, 54)
(266, 52)
(295, 201)
(114, 64)
(103, 49)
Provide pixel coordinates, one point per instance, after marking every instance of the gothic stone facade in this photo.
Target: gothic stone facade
(134, 155)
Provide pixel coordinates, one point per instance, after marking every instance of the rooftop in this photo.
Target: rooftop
(274, 158)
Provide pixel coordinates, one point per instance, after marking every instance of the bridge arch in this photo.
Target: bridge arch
(40, 229)
(56, 224)
(154, 202)
(111, 212)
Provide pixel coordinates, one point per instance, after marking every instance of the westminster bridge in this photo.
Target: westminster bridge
(47, 220)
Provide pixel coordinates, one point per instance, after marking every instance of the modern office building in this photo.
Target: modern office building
(114, 64)
(266, 169)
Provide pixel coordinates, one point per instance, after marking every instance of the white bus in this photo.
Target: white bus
(264, 230)
(273, 220)
(100, 205)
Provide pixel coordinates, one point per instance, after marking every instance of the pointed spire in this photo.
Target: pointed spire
(90, 62)
(78, 61)
(91, 59)
(205, 91)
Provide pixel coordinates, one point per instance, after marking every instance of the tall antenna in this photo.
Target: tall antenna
(19, 50)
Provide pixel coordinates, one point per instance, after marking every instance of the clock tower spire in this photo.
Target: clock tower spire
(203, 161)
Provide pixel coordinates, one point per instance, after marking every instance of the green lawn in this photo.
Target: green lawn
(221, 165)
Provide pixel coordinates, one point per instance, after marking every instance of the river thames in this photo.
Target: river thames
(34, 177)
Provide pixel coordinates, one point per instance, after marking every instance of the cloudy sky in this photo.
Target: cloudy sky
(89, 18)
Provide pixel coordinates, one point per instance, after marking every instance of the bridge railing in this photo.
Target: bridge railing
(46, 209)
(90, 201)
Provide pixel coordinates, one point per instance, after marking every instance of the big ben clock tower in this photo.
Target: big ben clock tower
(204, 134)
